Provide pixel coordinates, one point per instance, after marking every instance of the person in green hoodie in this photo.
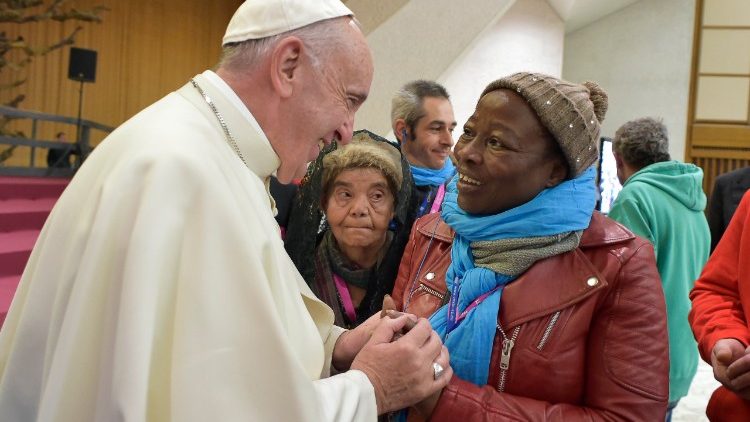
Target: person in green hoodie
(662, 200)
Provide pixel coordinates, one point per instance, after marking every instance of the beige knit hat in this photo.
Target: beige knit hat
(572, 113)
(364, 152)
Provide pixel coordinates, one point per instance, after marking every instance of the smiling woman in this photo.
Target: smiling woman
(358, 196)
(536, 296)
(507, 155)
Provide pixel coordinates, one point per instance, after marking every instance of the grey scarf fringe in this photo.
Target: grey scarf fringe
(514, 256)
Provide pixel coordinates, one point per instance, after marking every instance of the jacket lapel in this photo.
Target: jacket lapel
(548, 286)
(560, 281)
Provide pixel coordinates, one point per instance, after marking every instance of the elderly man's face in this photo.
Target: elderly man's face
(325, 107)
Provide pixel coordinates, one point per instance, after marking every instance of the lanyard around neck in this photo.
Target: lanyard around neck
(438, 199)
(439, 196)
(346, 298)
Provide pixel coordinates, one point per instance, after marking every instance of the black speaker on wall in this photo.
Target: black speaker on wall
(82, 65)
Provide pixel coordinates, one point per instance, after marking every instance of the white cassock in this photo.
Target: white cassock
(160, 290)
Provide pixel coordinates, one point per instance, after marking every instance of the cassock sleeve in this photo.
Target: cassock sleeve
(244, 346)
(184, 306)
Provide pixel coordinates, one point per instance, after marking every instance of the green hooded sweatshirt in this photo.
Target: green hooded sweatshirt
(664, 203)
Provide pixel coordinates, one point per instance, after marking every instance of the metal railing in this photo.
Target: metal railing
(82, 147)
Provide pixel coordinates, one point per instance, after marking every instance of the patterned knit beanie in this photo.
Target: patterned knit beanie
(572, 113)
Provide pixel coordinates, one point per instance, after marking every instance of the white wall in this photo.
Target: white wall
(373, 13)
(420, 41)
(528, 37)
(641, 55)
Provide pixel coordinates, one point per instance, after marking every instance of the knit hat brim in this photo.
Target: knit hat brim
(364, 152)
(572, 113)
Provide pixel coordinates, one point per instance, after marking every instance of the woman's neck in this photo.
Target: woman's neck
(364, 257)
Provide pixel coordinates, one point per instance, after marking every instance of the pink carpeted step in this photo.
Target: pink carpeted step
(31, 187)
(15, 248)
(24, 214)
(8, 286)
(25, 204)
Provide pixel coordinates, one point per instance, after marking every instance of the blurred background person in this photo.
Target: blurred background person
(283, 195)
(663, 201)
(423, 122)
(728, 191)
(721, 303)
(59, 157)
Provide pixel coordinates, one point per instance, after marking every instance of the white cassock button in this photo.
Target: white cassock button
(430, 276)
(593, 281)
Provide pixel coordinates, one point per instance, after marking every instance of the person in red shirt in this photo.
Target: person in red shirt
(721, 303)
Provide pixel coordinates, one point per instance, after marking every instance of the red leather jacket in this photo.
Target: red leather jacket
(585, 332)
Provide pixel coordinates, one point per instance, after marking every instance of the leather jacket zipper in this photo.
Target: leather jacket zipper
(508, 344)
(548, 331)
(431, 291)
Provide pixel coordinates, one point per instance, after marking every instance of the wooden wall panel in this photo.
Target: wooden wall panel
(722, 99)
(719, 115)
(716, 57)
(720, 135)
(726, 12)
(146, 48)
(714, 166)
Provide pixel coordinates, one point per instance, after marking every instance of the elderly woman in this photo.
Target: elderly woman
(550, 310)
(350, 206)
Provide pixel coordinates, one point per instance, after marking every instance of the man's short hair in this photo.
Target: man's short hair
(408, 102)
(320, 38)
(642, 142)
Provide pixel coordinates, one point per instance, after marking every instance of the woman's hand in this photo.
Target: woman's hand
(352, 341)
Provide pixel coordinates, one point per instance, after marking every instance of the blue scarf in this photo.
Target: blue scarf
(429, 177)
(564, 208)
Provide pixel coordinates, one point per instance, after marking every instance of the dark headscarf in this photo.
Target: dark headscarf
(307, 227)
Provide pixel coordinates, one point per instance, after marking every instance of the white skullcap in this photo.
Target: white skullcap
(257, 19)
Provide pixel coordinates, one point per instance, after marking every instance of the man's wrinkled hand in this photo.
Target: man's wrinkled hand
(401, 371)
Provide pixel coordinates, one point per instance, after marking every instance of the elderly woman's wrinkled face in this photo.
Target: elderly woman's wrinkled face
(505, 155)
(359, 208)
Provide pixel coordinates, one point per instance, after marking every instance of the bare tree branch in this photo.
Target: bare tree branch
(23, 12)
(14, 84)
(7, 153)
(54, 12)
(15, 101)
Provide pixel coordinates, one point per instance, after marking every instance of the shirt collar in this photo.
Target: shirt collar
(252, 142)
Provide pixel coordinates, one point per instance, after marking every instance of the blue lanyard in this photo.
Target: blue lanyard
(452, 317)
(423, 207)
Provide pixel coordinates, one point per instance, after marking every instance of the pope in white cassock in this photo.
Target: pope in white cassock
(159, 288)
